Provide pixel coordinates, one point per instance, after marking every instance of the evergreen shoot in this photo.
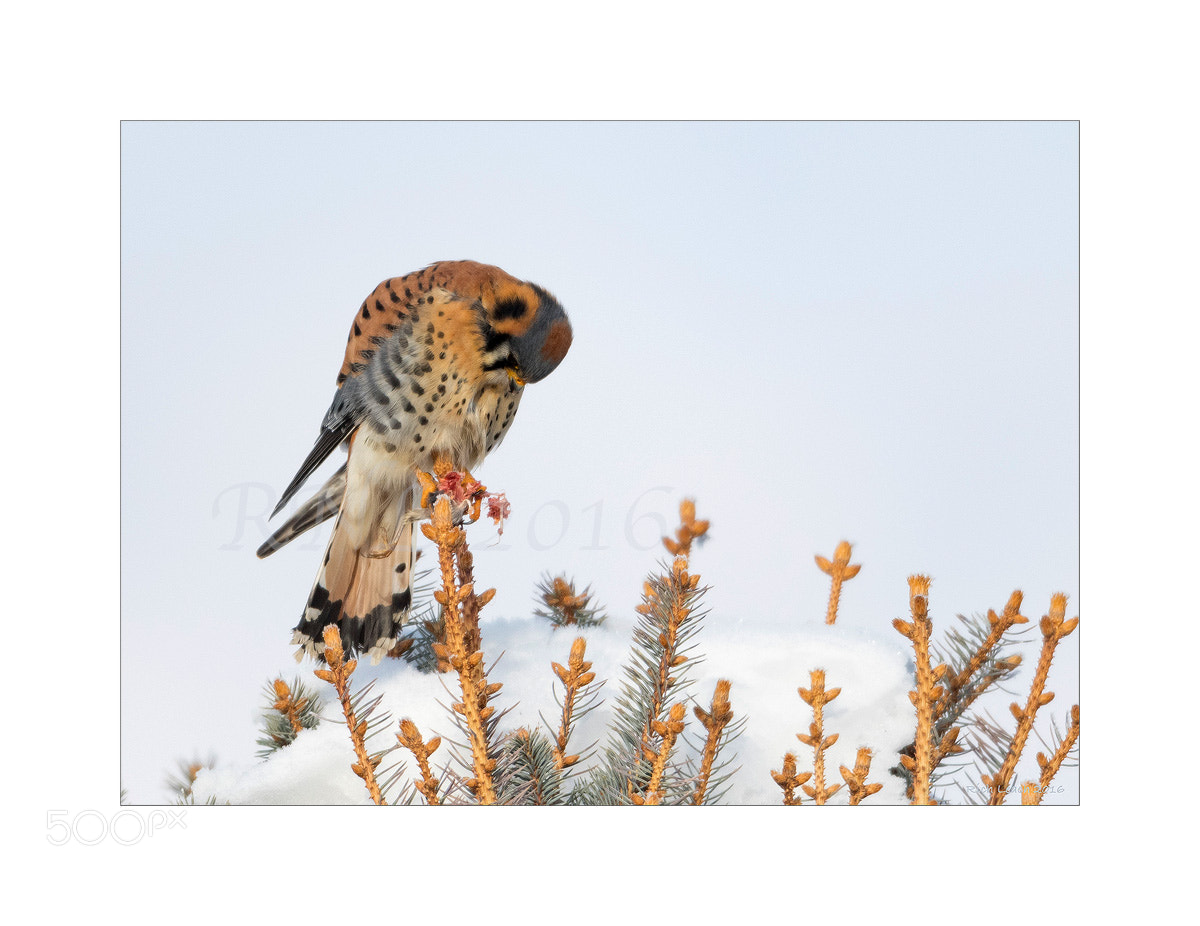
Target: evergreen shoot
(291, 709)
(562, 606)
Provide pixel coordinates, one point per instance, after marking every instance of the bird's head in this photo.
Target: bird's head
(537, 328)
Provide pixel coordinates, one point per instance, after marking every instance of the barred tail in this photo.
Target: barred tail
(367, 593)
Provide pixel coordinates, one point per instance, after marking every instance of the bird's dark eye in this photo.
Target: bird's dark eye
(493, 339)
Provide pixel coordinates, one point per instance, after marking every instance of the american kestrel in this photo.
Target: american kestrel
(435, 366)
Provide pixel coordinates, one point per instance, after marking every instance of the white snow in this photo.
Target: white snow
(765, 668)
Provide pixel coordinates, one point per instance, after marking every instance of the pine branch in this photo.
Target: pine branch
(988, 743)
(817, 697)
(338, 675)
(410, 738)
(1033, 794)
(670, 600)
(927, 692)
(840, 571)
(978, 659)
(526, 770)
(1054, 628)
(856, 779)
(789, 780)
(657, 670)
(690, 531)
(960, 691)
(564, 606)
(574, 679)
(667, 731)
(462, 652)
(715, 719)
(292, 709)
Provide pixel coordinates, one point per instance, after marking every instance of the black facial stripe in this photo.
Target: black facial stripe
(512, 307)
(492, 339)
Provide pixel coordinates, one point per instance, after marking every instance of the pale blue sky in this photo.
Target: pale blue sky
(822, 331)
